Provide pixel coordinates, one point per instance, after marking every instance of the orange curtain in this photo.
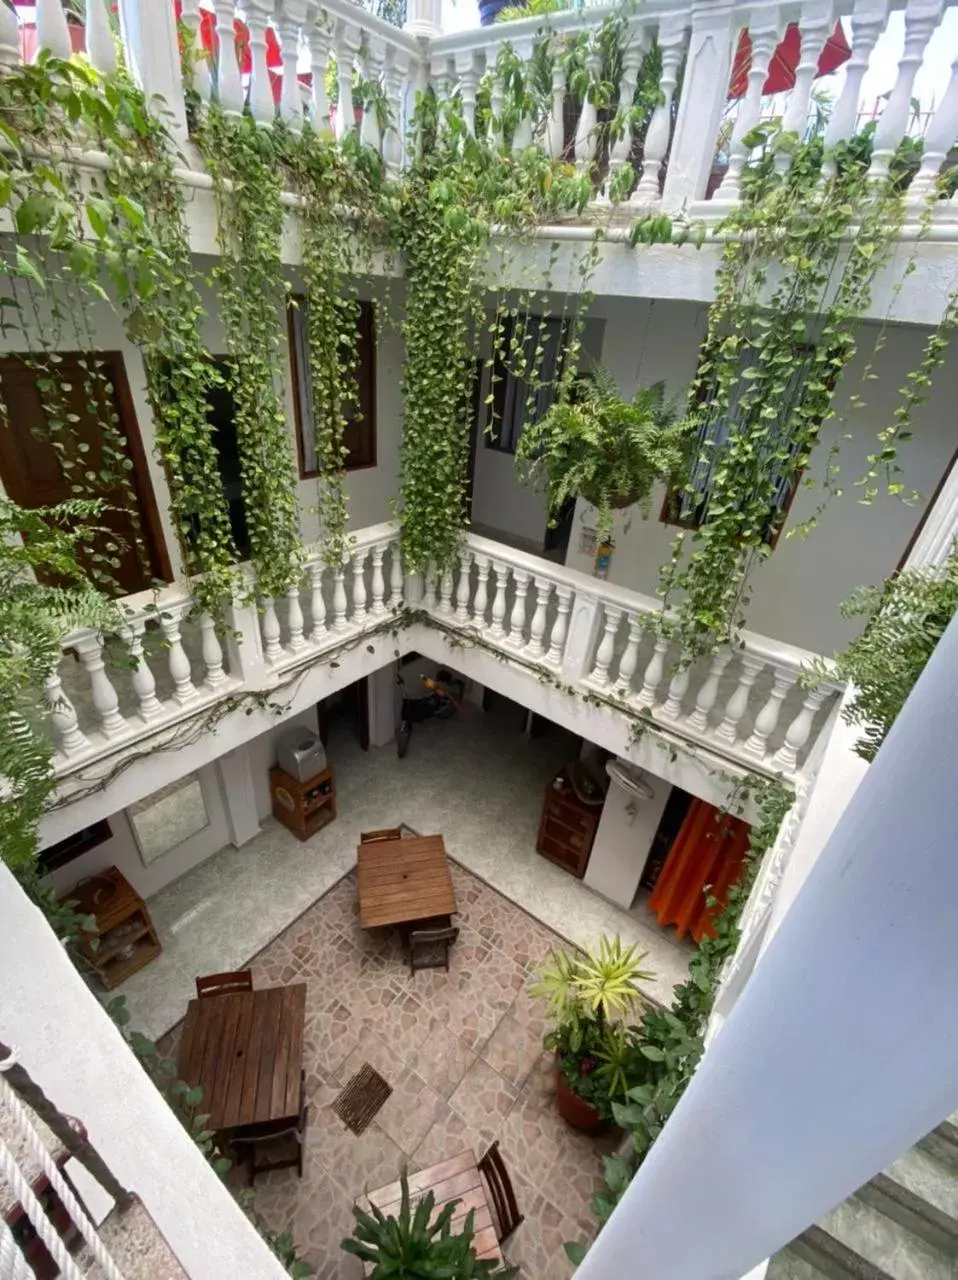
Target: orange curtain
(709, 850)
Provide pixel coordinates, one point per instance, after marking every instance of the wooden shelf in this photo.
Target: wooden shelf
(567, 827)
(303, 807)
(125, 937)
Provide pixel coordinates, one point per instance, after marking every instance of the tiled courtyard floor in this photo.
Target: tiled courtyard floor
(463, 1054)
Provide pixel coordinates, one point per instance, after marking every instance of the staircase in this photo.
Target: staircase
(902, 1225)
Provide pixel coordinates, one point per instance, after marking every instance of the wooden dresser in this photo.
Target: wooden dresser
(567, 827)
(303, 807)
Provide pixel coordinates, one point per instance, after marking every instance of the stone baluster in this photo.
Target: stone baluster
(63, 717)
(535, 649)
(709, 691)
(269, 626)
(737, 704)
(372, 64)
(555, 128)
(764, 30)
(294, 619)
(921, 18)
(631, 62)
(441, 77)
(654, 673)
(467, 69)
(517, 619)
(105, 701)
(101, 47)
(144, 685)
(397, 70)
(497, 104)
(212, 652)
(497, 631)
(318, 38)
(184, 690)
(463, 588)
(430, 587)
(630, 658)
(317, 603)
(339, 598)
(817, 24)
(798, 732)
(9, 38)
(522, 137)
(445, 592)
(395, 576)
(585, 131)
(678, 687)
(672, 42)
(346, 45)
(604, 653)
(560, 627)
(359, 586)
(378, 582)
(53, 33)
(190, 24)
(291, 103)
(766, 721)
(869, 19)
(481, 598)
(261, 104)
(939, 138)
(229, 84)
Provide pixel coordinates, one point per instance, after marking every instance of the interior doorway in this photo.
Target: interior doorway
(346, 710)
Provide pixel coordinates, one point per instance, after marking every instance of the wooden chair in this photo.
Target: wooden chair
(429, 948)
(224, 984)
(505, 1209)
(384, 833)
(289, 1137)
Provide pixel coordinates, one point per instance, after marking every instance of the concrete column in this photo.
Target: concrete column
(842, 1050)
(239, 795)
(381, 689)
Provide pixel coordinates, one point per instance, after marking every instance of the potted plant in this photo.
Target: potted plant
(411, 1246)
(602, 448)
(589, 995)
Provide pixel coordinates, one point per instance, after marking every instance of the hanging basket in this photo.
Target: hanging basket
(617, 501)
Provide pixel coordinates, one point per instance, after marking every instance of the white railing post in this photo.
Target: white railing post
(766, 721)
(921, 18)
(517, 618)
(678, 687)
(317, 603)
(630, 658)
(152, 52)
(467, 70)
(294, 619)
(394, 80)
(555, 128)
(339, 598)
(653, 673)
(560, 626)
(635, 45)
(345, 45)
(261, 102)
(869, 19)
(818, 22)
(585, 133)
(463, 588)
(672, 41)
(378, 583)
(229, 84)
(581, 637)
(9, 38)
(737, 704)
(497, 630)
(63, 716)
(90, 649)
(535, 649)
(445, 592)
(53, 33)
(359, 585)
(190, 24)
(372, 64)
(144, 685)
(799, 731)
(709, 691)
(939, 137)
(395, 576)
(212, 652)
(272, 648)
(606, 649)
(318, 39)
(291, 18)
(481, 598)
(764, 29)
(171, 616)
(101, 47)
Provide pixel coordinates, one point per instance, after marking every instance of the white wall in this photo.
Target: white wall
(797, 591)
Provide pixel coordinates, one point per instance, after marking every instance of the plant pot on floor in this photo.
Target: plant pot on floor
(573, 1109)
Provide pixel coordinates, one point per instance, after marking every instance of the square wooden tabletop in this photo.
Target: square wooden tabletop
(402, 881)
(246, 1050)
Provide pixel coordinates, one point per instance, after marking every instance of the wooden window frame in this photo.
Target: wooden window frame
(366, 334)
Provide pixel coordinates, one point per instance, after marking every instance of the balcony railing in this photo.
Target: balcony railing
(747, 705)
(691, 150)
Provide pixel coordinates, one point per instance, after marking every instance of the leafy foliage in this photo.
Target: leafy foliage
(411, 1246)
(603, 448)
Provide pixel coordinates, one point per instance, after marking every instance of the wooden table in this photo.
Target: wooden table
(246, 1050)
(402, 881)
(454, 1179)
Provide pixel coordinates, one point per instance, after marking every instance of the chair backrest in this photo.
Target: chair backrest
(222, 984)
(383, 833)
(505, 1208)
(435, 940)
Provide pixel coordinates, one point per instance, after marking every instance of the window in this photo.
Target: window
(511, 392)
(689, 507)
(360, 433)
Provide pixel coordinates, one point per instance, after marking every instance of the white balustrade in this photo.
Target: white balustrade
(378, 582)
(631, 62)
(555, 128)
(395, 577)
(53, 32)
(537, 629)
(190, 24)
(317, 603)
(869, 19)
(708, 693)
(672, 41)
(653, 673)
(939, 137)
(430, 587)
(799, 731)
(144, 685)
(212, 652)
(346, 45)
(766, 722)
(818, 23)
(497, 630)
(467, 69)
(629, 659)
(765, 29)
(339, 598)
(319, 44)
(290, 103)
(463, 588)
(585, 133)
(359, 586)
(394, 81)
(100, 44)
(921, 18)
(9, 37)
(678, 687)
(481, 598)
(105, 701)
(272, 647)
(735, 708)
(606, 649)
(171, 616)
(560, 626)
(261, 104)
(517, 618)
(63, 717)
(372, 64)
(229, 85)
(295, 640)
(445, 592)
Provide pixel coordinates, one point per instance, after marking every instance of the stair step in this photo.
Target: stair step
(885, 1243)
(942, 1143)
(791, 1265)
(933, 1179)
(826, 1255)
(912, 1210)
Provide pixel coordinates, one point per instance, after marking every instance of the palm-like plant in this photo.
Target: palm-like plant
(603, 448)
(416, 1246)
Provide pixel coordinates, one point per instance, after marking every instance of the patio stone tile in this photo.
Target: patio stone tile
(484, 1100)
(449, 1134)
(442, 1059)
(314, 1209)
(275, 966)
(512, 1050)
(470, 1015)
(359, 1162)
(537, 1245)
(530, 1011)
(411, 1109)
(533, 1137)
(576, 1173)
(330, 1036)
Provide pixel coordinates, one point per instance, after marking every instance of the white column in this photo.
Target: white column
(101, 47)
(939, 137)
(817, 24)
(869, 19)
(339, 598)
(52, 30)
(290, 103)
(672, 41)
(144, 685)
(445, 592)
(152, 53)
(424, 18)
(585, 135)
(468, 72)
(317, 604)
(359, 586)
(534, 648)
(522, 137)
(395, 576)
(183, 688)
(555, 128)
(346, 46)
(481, 598)
(517, 618)
(678, 686)
(294, 619)
(9, 38)
(430, 587)
(229, 85)
(394, 82)
(261, 104)
(653, 673)
(463, 587)
(497, 630)
(560, 626)
(378, 583)
(212, 653)
(737, 704)
(318, 38)
(921, 18)
(239, 795)
(63, 717)
(709, 690)
(704, 90)
(811, 1088)
(272, 648)
(764, 29)
(369, 130)
(798, 732)
(766, 721)
(90, 649)
(606, 649)
(630, 658)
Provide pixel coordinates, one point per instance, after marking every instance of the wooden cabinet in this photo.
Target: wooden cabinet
(303, 807)
(126, 939)
(567, 827)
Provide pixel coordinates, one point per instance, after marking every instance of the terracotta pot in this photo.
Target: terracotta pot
(573, 1109)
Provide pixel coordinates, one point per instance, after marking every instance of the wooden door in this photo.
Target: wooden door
(32, 476)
